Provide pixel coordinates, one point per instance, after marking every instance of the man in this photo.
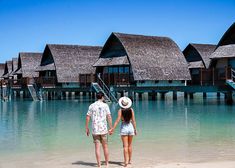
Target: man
(99, 113)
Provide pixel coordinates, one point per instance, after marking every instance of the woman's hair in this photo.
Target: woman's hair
(127, 114)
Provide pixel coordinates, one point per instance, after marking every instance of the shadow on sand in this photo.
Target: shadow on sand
(92, 164)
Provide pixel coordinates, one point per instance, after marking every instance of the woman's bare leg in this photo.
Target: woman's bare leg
(125, 149)
(130, 148)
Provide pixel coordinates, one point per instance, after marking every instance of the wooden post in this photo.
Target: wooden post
(213, 76)
(226, 73)
(154, 94)
(204, 95)
(191, 95)
(201, 76)
(174, 95)
(93, 95)
(229, 98)
(162, 95)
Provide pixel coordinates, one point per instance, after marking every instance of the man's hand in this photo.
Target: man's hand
(111, 131)
(87, 132)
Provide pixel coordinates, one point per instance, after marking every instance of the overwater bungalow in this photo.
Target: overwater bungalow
(26, 68)
(198, 58)
(67, 66)
(141, 61)
(223, 59)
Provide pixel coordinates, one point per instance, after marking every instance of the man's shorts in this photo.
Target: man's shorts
(100, 138)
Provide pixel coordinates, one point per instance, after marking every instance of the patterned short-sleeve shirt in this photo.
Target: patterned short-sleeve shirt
(98, 112)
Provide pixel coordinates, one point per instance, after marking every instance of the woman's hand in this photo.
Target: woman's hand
(135, 132)
(111, 131)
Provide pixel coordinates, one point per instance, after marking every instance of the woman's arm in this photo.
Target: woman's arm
(133, 121)
(117, 120)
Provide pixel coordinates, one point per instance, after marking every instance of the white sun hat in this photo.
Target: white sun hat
(125, 102)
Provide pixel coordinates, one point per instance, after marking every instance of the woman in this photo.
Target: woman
(128, 127)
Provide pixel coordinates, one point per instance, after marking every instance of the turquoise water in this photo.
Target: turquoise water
(182, 129)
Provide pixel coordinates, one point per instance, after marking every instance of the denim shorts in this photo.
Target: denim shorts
(127, 129)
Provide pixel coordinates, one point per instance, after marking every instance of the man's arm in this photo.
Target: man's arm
(87, 125)
(109, 117)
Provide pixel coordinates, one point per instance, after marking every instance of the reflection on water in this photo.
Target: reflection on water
(185, 126)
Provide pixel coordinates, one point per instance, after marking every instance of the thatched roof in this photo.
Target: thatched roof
(196, 64)
(2, 68)
(226, 51)
(199, 52)
(151, 57)
(27, 64)
(228, 37)
(70, 60)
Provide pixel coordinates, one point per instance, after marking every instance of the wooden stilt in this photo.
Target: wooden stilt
(204, 95)
(174, 95)
(191, 95)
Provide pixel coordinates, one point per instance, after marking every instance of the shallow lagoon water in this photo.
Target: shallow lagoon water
(186, 130)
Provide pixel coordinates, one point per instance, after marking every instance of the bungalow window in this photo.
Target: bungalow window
(115, 69)
(142, 81)
(156, 81)
(182, 81)
(121, 69)
(106, 70)
(170, 81)
(126, 70)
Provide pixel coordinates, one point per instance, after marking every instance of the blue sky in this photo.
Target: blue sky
(27, 25)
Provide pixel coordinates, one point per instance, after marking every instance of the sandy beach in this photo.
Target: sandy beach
(86, 159)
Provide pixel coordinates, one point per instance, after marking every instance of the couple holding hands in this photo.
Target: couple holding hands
(99, 114)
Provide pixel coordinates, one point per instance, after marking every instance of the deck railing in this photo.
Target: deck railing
(85, 80)
(45, 81)
(116, 79)
(18, 83)
(212, 76)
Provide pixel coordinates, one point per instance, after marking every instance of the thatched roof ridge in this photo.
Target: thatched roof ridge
(228, 37)
(203, 50)
(226, 51)
(71, 60)
(28, 62)
(196, 64)
(153, 57)
(112, 61)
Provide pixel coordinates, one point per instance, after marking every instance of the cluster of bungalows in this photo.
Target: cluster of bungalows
(134, 61)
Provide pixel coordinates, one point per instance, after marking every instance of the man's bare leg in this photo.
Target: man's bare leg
(97, 153)
(106, 153)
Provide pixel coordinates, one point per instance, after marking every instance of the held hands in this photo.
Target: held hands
(111, 131)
